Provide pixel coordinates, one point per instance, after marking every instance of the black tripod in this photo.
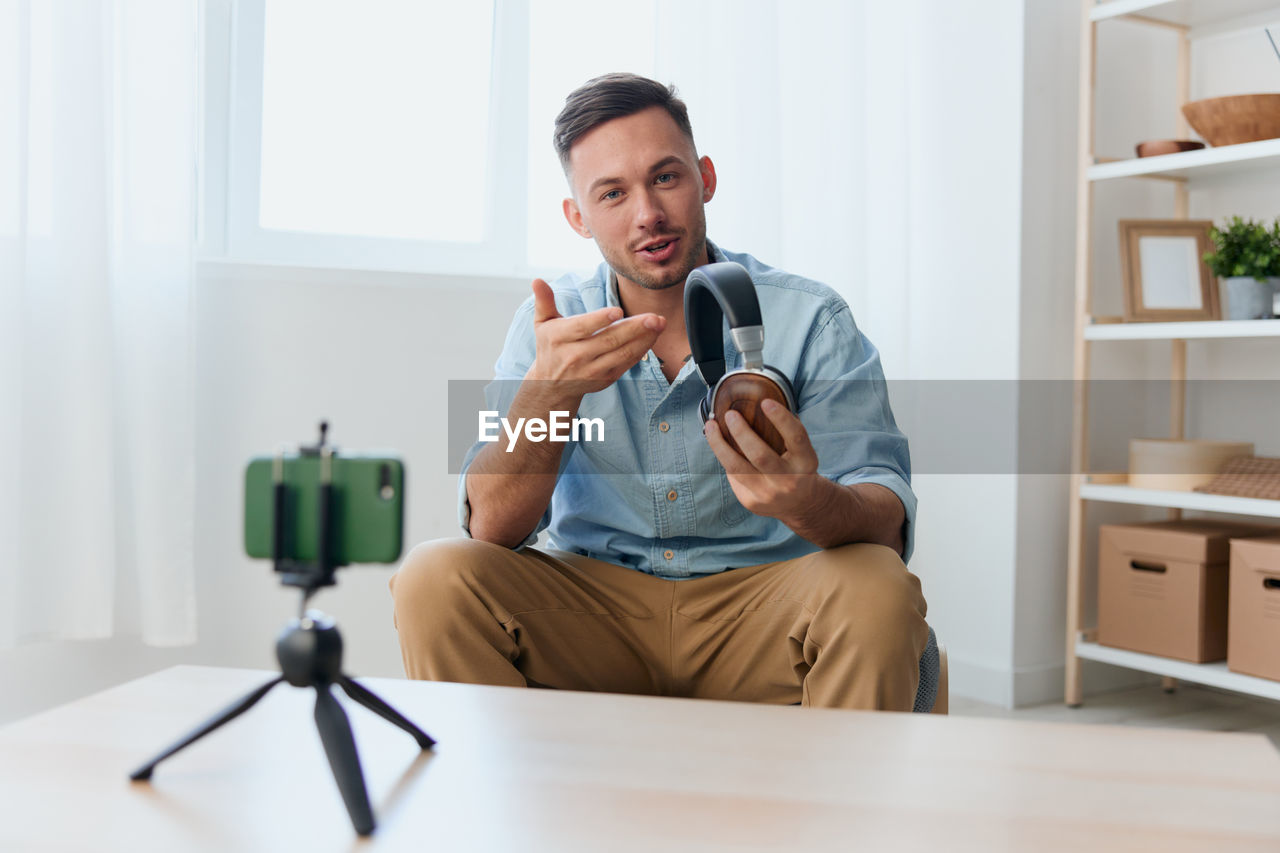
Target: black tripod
(310, 654)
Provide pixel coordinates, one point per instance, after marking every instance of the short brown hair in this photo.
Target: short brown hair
(611, 96)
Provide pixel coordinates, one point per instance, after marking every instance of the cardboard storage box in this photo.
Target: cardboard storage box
(1162, 586)
(1180, 464)
(1254, 632)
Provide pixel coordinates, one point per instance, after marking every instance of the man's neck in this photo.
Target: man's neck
(668, 302)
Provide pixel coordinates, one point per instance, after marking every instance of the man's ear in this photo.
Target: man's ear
(573, 216)
(708, 172)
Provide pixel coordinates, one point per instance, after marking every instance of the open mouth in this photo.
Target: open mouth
(660, 251)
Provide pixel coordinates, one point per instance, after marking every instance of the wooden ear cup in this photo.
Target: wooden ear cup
(744, 392)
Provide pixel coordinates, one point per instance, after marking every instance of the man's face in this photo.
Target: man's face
(639, 191)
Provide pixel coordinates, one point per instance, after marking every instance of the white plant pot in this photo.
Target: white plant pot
(1250, 299)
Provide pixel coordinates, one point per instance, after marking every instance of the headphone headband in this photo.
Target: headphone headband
(713, 293)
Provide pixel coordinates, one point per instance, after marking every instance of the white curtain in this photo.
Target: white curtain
(804, 106)
(98, 140)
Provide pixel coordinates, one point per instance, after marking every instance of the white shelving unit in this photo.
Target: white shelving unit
(1212, 674)
(1205, 164)
(1183, 331)
(1117, 494)
(1198, 17)
(1192, 19)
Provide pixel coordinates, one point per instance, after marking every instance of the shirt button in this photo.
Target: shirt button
(671, 495)
(668, 554)
(664, 426)
(644, 357)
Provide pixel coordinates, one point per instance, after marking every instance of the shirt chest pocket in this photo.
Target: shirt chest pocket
(718, 506)
(732, 513)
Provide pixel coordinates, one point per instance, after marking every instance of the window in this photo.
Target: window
(576, 40)
(367, 135)
(407, 135)
(375, 118)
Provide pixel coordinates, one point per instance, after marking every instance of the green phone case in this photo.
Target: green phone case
(367, 518)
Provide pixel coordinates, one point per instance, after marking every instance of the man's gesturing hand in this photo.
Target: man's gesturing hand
(591, 350)
(786, 486)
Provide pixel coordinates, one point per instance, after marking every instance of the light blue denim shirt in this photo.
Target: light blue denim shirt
(651, 496)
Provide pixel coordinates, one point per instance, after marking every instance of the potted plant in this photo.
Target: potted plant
(1246, 255)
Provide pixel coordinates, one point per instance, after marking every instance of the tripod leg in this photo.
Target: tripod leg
(225, 716)
(340, 747)
(374, 703)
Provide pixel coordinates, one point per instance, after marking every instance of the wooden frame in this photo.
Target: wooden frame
(1182, 267)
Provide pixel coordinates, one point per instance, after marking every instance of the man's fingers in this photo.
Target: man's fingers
(624, 332)
(544, 302)
(619, 336)
(732, 461)
(575, 327)
(788, 425)
(623, 357)
(582, 326)
(754, 448)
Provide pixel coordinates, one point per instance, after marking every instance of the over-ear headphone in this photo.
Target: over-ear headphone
(712, 294)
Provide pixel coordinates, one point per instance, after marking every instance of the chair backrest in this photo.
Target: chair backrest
(932, 678)
(940, 699)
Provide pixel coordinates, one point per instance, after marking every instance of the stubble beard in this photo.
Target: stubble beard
(693, 256)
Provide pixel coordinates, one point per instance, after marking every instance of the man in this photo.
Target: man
(677, 566)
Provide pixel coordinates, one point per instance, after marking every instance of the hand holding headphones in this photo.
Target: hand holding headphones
(712, 294)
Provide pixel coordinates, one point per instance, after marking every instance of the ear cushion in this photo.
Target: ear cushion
(793, 403)
(743, 391)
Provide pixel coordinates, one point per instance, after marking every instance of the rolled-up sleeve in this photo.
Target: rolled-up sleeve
(517, 356)
(844, 405)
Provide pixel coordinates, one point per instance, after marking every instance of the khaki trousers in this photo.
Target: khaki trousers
(840, 628)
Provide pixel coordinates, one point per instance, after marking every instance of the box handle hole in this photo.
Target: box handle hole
(1147, 567)
(1271, 583)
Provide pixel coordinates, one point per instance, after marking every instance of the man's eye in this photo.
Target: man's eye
(665, 178)
(611, 195)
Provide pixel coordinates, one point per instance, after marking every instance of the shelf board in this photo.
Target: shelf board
(1195, 14)
(1180, 500)
(1183, 331)
(1203, 164)
(1212, 674)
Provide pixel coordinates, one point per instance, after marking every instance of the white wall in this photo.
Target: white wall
(962, 313)
(982, 198)
(1135, 102)
(990, 294)
(372, 353)
(277, 351)
(1047, 288)
(1036, 669)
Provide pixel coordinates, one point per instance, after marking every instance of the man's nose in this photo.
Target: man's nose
(649, 213)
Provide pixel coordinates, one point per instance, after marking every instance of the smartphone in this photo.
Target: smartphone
(366, 517)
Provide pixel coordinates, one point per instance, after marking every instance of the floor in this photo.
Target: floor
(1190, 706)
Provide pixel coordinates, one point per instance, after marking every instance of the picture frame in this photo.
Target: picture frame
(1165, 276)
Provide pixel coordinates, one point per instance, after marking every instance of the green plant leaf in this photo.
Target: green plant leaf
(1245, 248)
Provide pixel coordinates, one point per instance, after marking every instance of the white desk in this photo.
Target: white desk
(536, 770)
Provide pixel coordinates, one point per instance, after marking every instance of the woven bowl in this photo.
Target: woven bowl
(1157, 147)
(1235, 118)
